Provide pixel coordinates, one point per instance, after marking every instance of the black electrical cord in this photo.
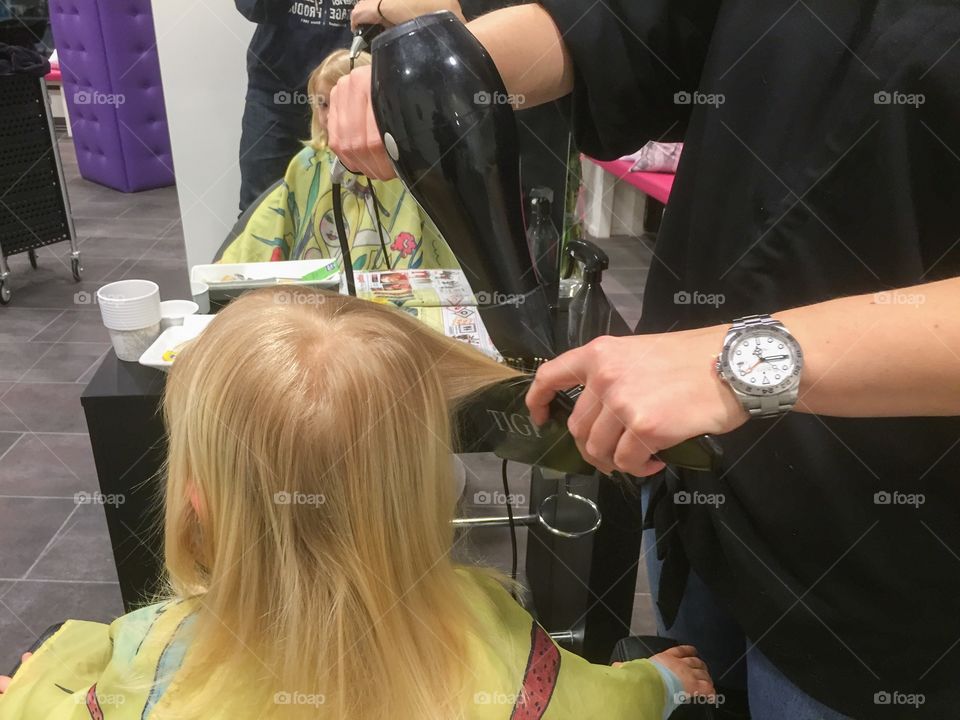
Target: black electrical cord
(345, 260)
(337, 199)
(513, 527)
(376, 213)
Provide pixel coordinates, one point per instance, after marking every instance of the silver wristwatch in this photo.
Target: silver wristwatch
(761, 362)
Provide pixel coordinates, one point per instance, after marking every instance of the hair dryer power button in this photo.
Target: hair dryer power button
(391, 146)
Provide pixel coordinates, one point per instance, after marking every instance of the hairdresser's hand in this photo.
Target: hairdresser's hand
(394, 12)
(642, 394)
(352, 129)
(683, 662)
(5, 680)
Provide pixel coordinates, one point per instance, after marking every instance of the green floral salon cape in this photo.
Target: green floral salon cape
(293, 220)
(91, 671)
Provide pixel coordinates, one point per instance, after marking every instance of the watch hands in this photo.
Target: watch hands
(761, 360)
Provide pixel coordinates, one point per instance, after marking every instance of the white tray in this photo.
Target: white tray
(170, 338)
(265, 274)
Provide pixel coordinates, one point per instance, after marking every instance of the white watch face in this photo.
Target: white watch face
(763, 361)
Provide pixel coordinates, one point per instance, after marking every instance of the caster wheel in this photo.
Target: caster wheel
(32, 254)
(5, 293)
(77, 268)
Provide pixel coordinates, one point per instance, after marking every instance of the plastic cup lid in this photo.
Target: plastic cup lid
(124, 291)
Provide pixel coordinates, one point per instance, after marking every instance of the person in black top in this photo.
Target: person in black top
(819, 185)
(291, 39)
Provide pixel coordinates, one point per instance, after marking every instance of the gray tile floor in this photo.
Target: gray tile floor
(55, 556)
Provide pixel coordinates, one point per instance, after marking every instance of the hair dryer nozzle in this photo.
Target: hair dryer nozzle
(442, 108)
(362, 38)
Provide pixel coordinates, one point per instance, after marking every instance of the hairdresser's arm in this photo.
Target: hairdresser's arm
(524, 43)
(891, 354)
(394, 12)
(529, 52)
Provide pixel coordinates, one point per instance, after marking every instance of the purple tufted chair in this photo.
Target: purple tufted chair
(111, 81)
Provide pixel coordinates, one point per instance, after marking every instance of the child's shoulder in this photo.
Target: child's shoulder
(149, 613)
(308, 160)
(482, 581)
(133, 627)
(309, 156)
(487, 593)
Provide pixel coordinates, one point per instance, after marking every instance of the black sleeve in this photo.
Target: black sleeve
(631, 58)
(259, 11)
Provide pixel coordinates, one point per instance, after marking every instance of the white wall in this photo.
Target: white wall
(202, 48)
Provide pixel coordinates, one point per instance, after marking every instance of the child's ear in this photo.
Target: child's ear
(196, 500)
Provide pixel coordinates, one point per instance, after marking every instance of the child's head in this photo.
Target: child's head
(309, 498)
(320, 84)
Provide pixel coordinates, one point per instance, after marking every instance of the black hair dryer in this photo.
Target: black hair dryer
(442, 109)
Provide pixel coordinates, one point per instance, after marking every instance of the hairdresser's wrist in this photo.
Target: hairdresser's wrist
(394, 12)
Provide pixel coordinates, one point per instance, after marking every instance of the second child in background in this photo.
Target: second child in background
(293, 220)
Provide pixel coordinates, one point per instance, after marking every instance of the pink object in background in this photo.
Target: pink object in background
(54, 74)
(656, 185)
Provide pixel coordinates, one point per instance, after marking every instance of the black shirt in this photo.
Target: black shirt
(822, 159)
(291, 39)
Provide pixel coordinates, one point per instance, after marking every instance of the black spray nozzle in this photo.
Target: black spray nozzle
(442, 109)
(593, 259)
(539, 194)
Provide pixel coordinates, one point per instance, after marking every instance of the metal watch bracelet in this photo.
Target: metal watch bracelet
(763, 405)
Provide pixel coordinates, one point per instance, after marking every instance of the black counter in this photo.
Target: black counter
(122, 406)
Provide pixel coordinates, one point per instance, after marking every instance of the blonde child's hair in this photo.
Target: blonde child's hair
(333, 67)
(308, 509)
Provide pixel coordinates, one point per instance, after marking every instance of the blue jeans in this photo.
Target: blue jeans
(272, 133)
(733, 663)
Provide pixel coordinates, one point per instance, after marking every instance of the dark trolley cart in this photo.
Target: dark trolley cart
(34, 209)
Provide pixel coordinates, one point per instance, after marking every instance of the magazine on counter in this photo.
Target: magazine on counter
(419, 288)
(442, 299)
